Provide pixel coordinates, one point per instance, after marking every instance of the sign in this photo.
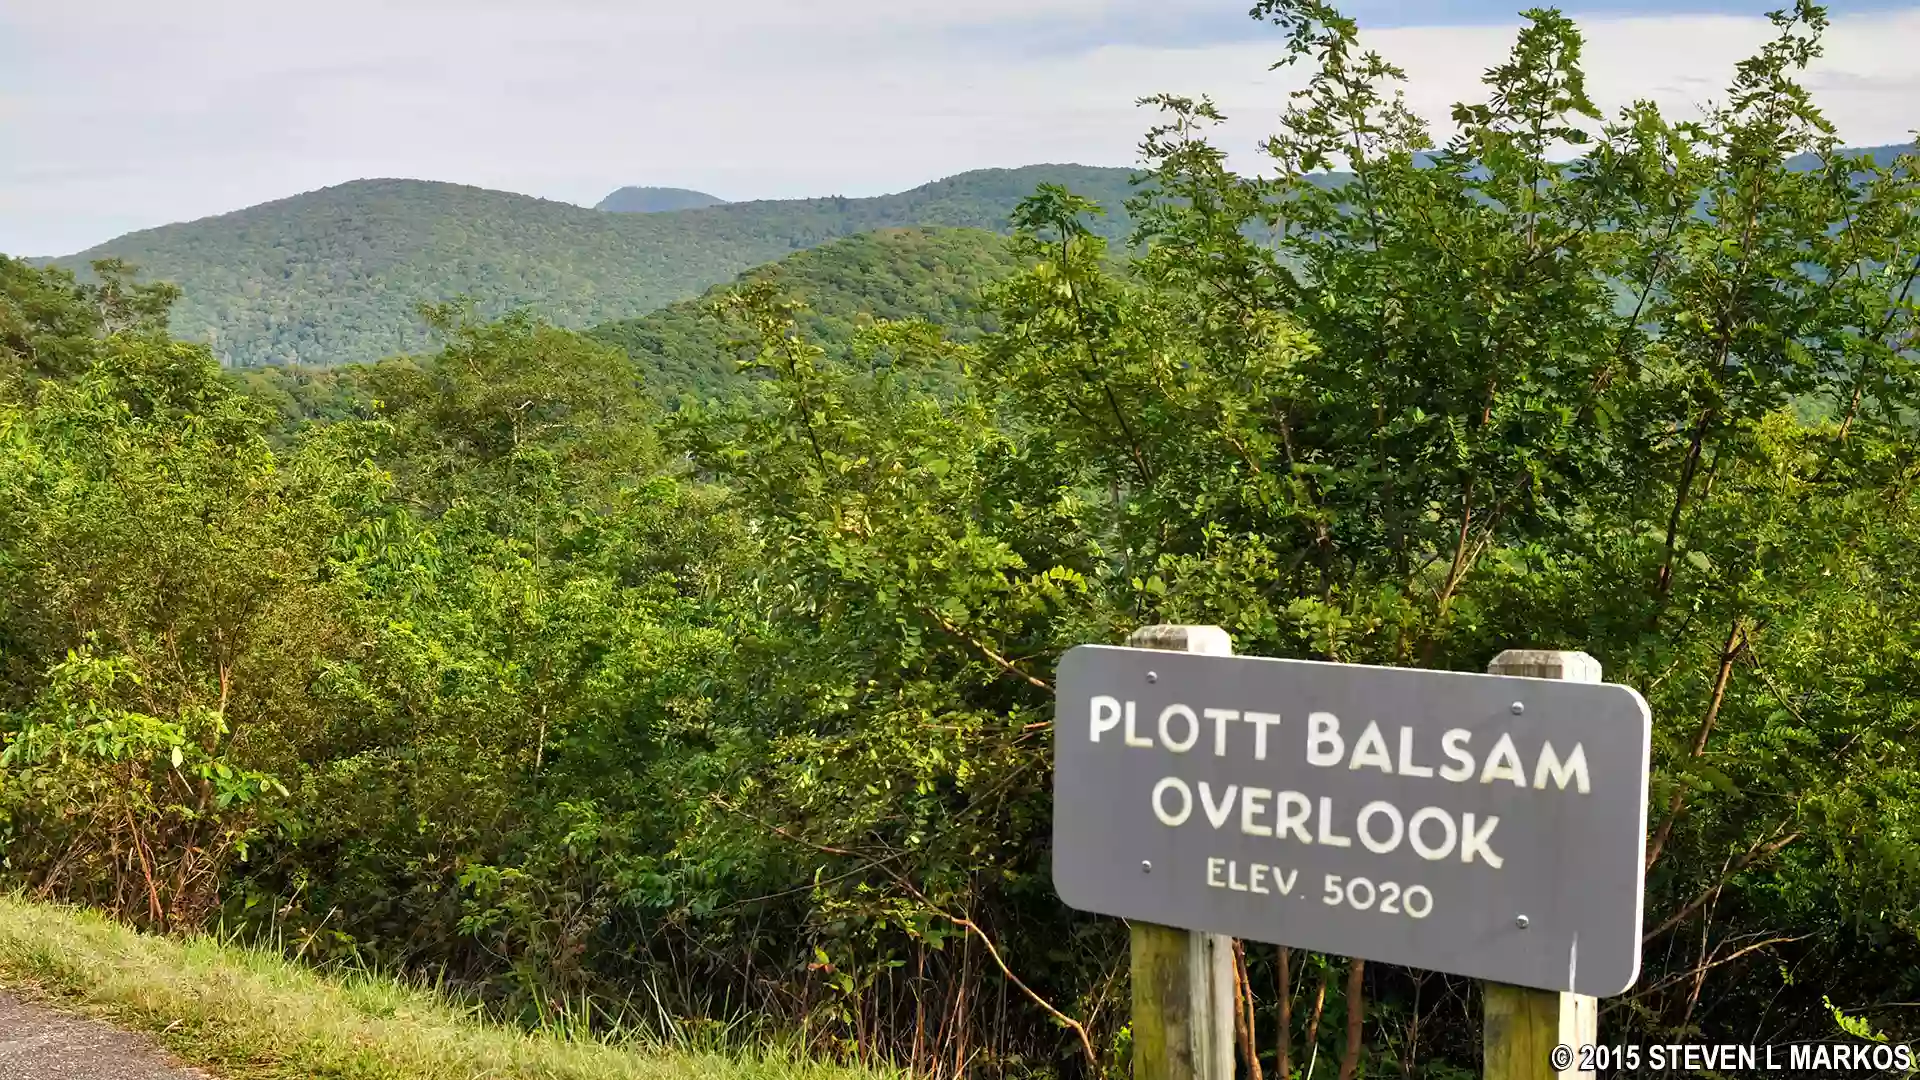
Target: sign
(1483, 825)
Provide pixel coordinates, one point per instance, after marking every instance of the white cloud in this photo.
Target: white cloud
(122, 115)
(1866, 81)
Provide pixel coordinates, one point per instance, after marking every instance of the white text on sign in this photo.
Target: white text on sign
(1431, 832)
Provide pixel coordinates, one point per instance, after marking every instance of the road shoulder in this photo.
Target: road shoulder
(42, 1043)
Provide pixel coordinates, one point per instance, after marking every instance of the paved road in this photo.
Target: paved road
(38, 1043)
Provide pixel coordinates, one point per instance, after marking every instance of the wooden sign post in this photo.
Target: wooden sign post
(1182, 979)
(1485, 825)
(1520, 1026)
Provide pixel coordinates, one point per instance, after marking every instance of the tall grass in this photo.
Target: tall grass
(249, 1012)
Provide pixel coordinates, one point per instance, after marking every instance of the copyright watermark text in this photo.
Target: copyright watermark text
(1832, 1058)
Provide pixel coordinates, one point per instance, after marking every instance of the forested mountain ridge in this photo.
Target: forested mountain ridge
(926, 272)
(1880, 155)
(656, 200)
(335, 275)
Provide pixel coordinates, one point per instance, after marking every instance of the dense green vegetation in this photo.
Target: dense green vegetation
(333, 276)
(741, 711)
(892, 274)
(299, 394)
(683, 351)
(655, 200)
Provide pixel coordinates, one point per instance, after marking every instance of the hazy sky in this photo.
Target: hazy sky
(124, 114)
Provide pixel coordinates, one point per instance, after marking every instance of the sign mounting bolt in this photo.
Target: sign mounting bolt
(1146, 867)
(1518, 708)
(1520, 921)
(1153, 676)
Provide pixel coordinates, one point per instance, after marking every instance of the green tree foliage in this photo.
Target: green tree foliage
(299, 395)
(164, 617)
(742, 709)
(1426, 428)
(49, 321)
(685, 350)
(934, 274)
(334, 276)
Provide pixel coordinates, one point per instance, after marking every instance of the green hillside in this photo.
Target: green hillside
(925, 272)
(656, 200)
(333, 276)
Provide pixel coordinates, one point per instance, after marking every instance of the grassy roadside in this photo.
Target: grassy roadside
(247, 1014)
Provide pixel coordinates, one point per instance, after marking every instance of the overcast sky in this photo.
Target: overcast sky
(124, 114)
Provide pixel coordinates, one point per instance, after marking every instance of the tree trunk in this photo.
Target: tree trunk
(1283, 1061)
(1356, 1014)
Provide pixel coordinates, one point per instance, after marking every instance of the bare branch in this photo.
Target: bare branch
(961, 921)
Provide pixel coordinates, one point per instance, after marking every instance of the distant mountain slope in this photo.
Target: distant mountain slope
(925, 272)
(333, 276)
(656, 200)
(1881, 155)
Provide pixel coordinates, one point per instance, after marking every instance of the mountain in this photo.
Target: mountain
(1881, 155)
(926, 272)
(334, 275)
(656, 200)
(923, 272)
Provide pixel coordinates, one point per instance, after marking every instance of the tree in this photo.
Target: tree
(147, 537)
(1654, 402)
(50, 323)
